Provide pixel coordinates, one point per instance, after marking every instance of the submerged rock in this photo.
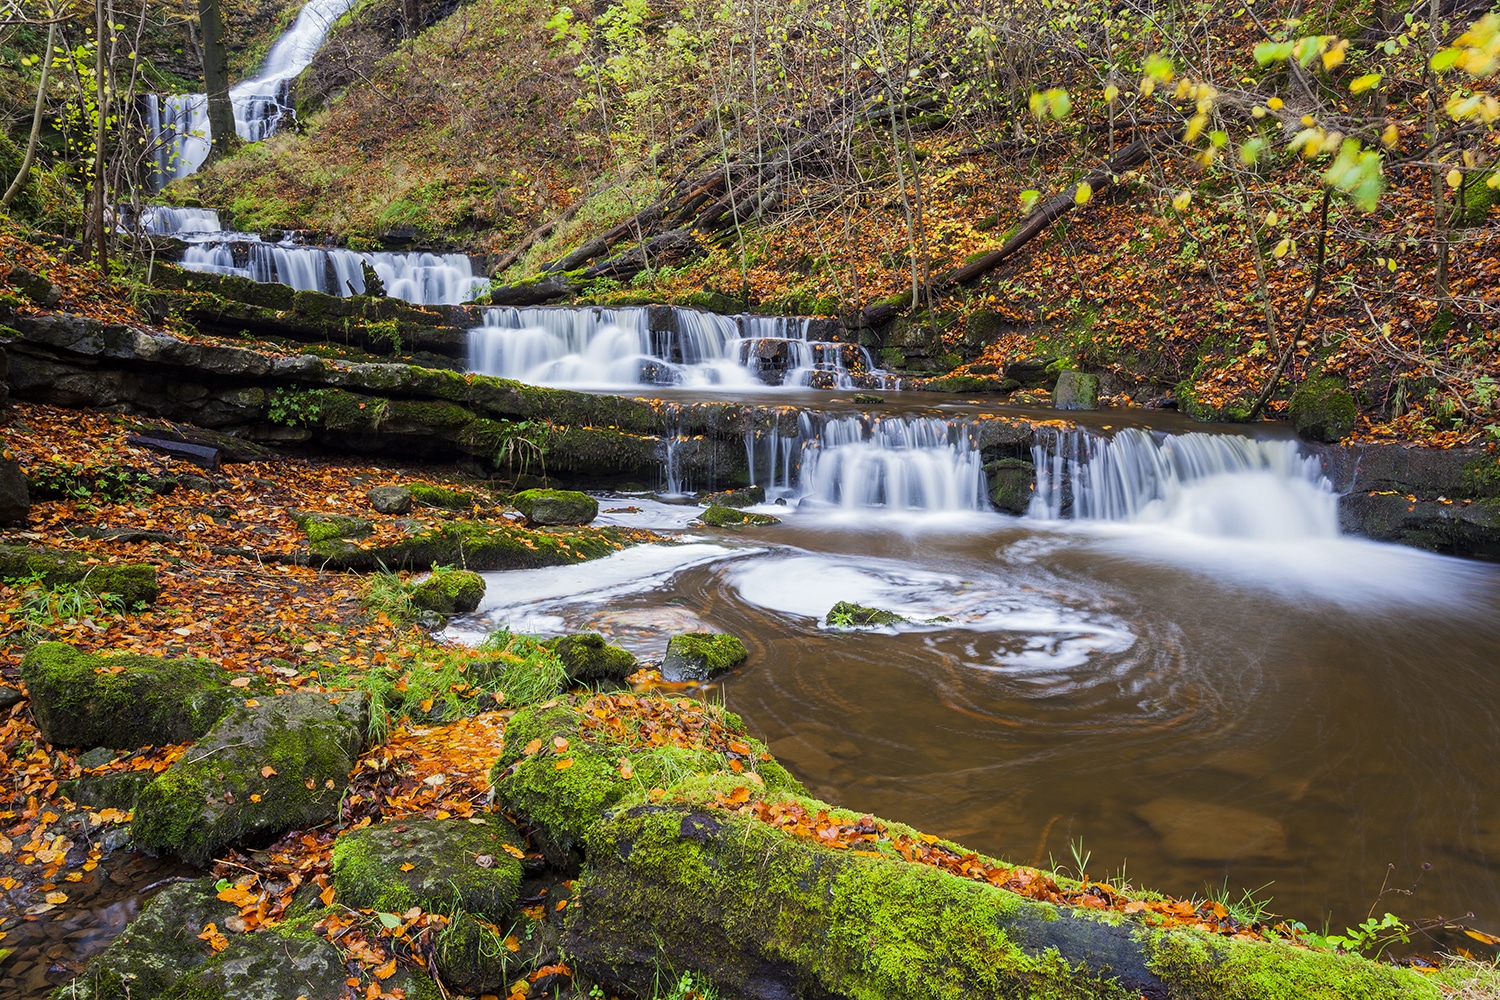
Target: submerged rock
(845, 615)
(556, 506)
(133, 584)
(449, 592)
(123, 702)
(697, 656)
(729, 517)
(458, 864)
(1204, 831)
(292, 753)
(589, 658)
(390, 499)
(1075, 390)
(1323, 410)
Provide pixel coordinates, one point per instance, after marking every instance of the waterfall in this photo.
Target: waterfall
(1210, 484)
(189, 224)
(663, 345)
(179, 122)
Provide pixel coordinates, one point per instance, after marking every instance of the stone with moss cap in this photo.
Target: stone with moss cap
(330, 527)
(1323, 410)
(473, 959)
(556, 506)
(589, 658)
(561, 804)
(728, 517)
(86, 700)
(449, 591)
(1012, 481)
(844, 615)
(757, 911)
(748, 496)
(475, 545)
(1075, 390)
(460, 864)
(441, 497)
(134, 584)
(293, 752)
(697, 656)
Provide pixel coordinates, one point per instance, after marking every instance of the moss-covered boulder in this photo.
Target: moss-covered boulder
(701, 880)
(1075, 390)
(449, 592)
(475, 545)
(86, 700)
(749, 496)
(590, 659)
(159, 956)
(441, 497)
(728, 517)
(1323, 410)
(1012, 482)
(106, 789)
(566, 764)
(556, 506)
(847, 615)
(455, 864)
(134, 584)
(332, 527)
(277, 765)
(697, 656)
(474, 960)
(1230, 410)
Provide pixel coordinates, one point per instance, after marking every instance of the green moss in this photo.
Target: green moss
(590, 659)
(135, 584)
(843, 615)
(701, 655)
(1481, 477)
(728, 517)
(442, 497)
(123, 702)
(556, 506)
(449, 591)
(1235, 410)
(1012, 481)
(1479, 197)
(1323, 410)
(459, 865)
(202, 802)
(327, 527)
(964, 384)
(747, 497)
(476, 545)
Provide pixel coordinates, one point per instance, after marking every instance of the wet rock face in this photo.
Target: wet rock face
(1012, 482)
(698, 656)
(15, 500)
(85, 700)
(1205, 832)
(277, 765)
(1076, 390)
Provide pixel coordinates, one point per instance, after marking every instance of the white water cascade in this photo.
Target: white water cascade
(660, 345)
(895, 463)
(1219, 485)
(179, 122)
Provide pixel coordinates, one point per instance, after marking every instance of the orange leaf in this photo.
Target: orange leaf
(387, 970)
(532, 747)
(240, 682)
(407, 866)
(564, 764)
(327, 896)
(267, 771)
(559, 744)
(514, 852)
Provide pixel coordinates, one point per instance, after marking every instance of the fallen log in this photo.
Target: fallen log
(200, 455)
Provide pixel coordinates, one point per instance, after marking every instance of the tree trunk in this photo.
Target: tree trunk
(216, 79)
(36, 120)
(101, 109)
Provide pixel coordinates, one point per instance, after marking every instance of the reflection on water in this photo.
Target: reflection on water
(1193, 708)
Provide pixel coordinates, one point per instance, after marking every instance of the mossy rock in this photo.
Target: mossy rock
(560, 805)
(964, 384)
(844, 615)
(1231, 411)
(474, 960)
(475, 545)
(1323, 410)
(697, 656)
(390, 499)
(108, 789)
(134, 584)
(123, 702)
(330, 527)
(556, 507)
(749, 496)
(728, 517)
(1478, 198)
(1076, 390)
(1012, 482)
(449, 592)
(442, 497)
(293, 752)
(459, 864)
(590, 659)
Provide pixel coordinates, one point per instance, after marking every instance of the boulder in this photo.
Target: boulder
(747, 497)
(35, 287)
(590, 659)
(1323, 410)
(728, 517)
(1012, 482)
(475, 545)
(846, 615)
(473, 960)
(15, 500)
(292, 752)
(442, 497)
(390, 499)
(134, 584)
(86, 700)
(449, 591)
(458, 864)
(1194, 831)
(697, 656)
(556, 506)
(331, 527)
(1075, 390)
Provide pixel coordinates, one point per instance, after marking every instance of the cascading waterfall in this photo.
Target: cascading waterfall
(660, 345)
(179, 122)
(1209, 484)
(424, 278)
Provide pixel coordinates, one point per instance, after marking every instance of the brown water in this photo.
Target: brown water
(1109, 685)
